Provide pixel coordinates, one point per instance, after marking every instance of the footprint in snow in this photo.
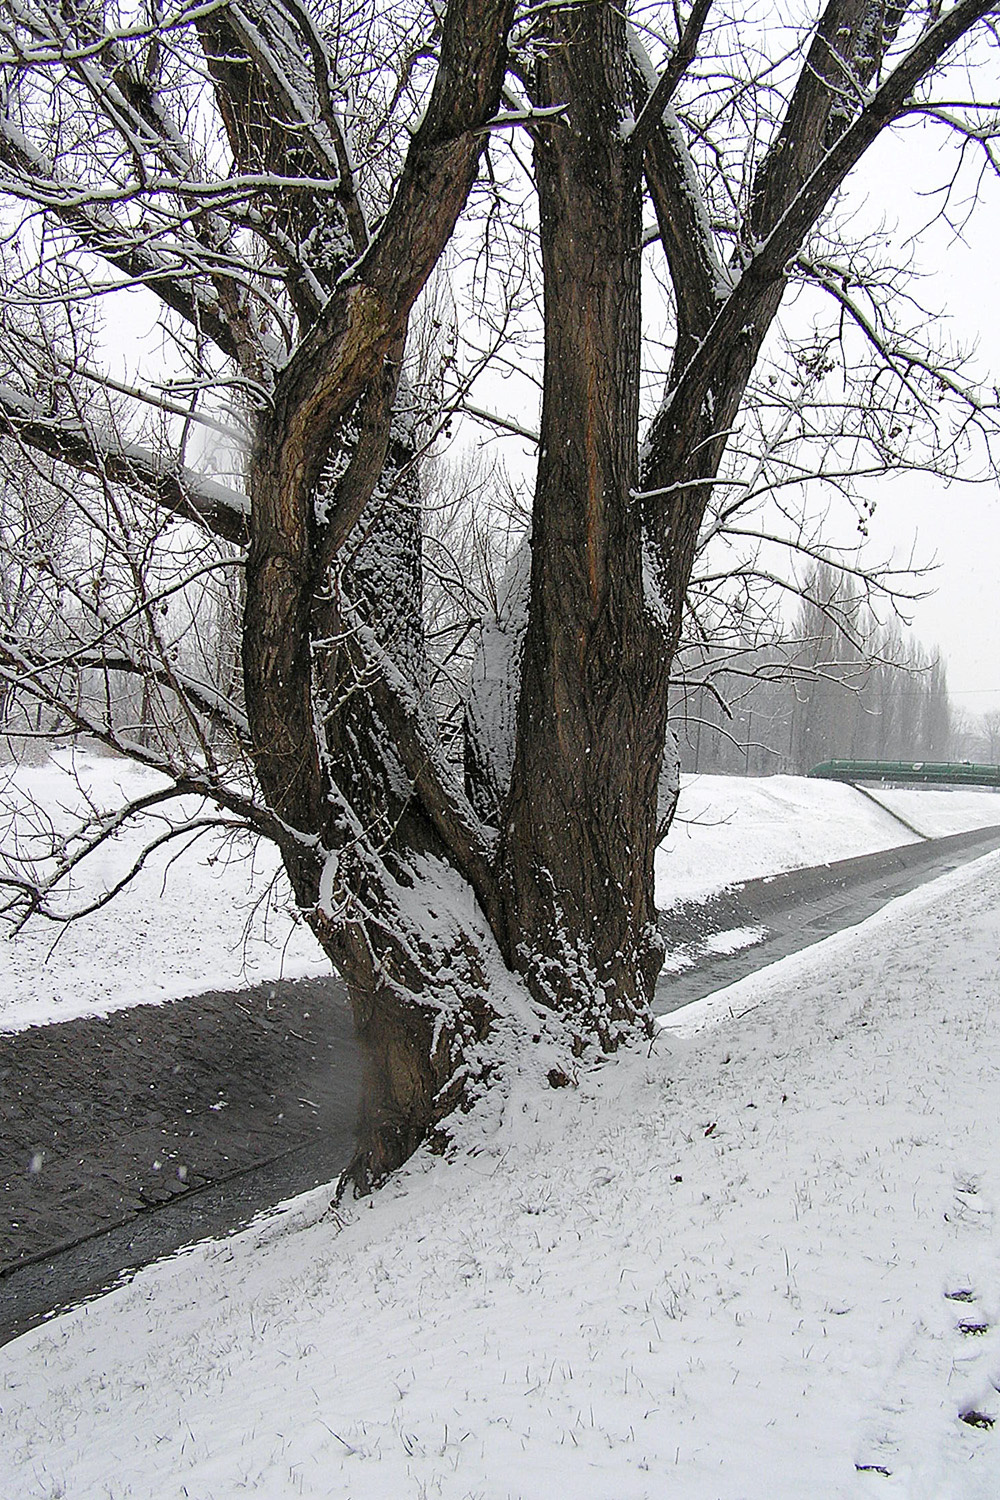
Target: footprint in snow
(939, 1399)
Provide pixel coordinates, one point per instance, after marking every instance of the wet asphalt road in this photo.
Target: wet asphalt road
(126, 1137)
(797, 909)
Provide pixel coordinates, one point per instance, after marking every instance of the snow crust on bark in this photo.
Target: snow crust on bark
(669, 785)
(494, 687)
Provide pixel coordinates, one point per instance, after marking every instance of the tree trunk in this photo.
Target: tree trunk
(577, 842)
(420, 985)
(416, 905)
(569, 898)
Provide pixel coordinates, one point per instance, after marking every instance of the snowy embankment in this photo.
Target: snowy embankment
(734, 828)
(760, 1262)
(214, 914)
(207, 913)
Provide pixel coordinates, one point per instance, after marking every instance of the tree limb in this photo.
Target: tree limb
(163, 269)
(699, 278)
(666, 85)
(177, 490)
(705, 398)
(350, 350)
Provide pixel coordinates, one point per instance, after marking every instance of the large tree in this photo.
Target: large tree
(284, 178)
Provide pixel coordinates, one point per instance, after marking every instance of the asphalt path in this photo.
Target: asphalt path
(791, 911)
(127, 1137)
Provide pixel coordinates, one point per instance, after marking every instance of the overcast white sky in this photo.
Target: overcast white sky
(959, 525)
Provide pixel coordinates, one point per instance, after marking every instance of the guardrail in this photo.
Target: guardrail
(922, 772)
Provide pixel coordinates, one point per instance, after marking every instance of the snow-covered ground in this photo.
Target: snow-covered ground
(204, 915)
(217, 916)
(760, 1261)
(732, 828)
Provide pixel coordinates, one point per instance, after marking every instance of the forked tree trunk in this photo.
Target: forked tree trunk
(566, 904)
(433, 923)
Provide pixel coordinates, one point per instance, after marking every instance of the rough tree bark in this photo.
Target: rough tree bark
(576, 853)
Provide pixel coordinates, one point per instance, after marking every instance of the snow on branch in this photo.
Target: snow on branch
(177, 490)
(34, 179)
(666, 85)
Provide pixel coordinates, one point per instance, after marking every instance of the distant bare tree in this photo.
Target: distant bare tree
(990, 722)
(834, 682)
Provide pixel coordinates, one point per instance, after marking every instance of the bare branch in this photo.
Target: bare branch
(180, 492)
(167, 272)
(680, 60)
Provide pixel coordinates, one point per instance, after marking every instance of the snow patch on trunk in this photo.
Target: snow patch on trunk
(494, 688)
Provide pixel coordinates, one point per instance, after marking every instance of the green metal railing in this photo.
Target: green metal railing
(922, 772)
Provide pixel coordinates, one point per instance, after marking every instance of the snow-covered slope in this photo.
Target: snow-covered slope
(732, 828)
(213, 915)
(760, 1262)
(207, 914)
